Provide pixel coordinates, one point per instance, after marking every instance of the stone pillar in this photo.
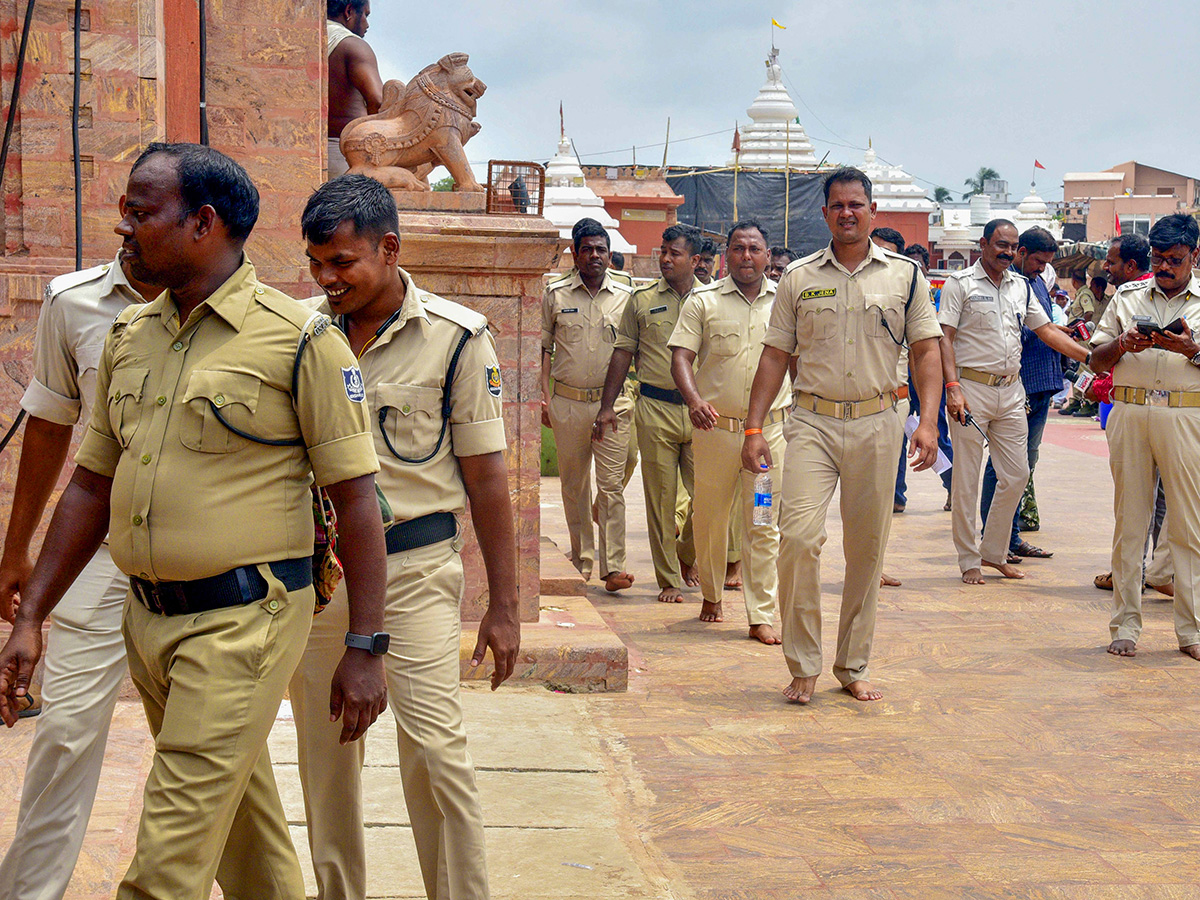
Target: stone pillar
(494, 264)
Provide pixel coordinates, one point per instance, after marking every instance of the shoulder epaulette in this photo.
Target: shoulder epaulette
(652, 286)
(805, 260)
(620, 275)
(621, 287)
(473, 321)
(959, 275)
(74, 280)
(282, 305)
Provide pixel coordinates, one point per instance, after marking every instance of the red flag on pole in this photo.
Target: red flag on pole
(1038, 165)
(1116, 225)
(737, 141)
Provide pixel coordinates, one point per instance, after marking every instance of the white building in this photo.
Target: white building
(569, 199)
(774, 139)
(954, 231)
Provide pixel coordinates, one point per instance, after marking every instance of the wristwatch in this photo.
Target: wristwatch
(376, 644)
(1195, 360)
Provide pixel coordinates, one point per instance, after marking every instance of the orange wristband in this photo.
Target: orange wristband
(953, 384)
(750, 431)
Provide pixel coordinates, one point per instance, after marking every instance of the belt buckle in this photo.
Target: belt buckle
(1158, 398)
(147, 593)
(847, 410)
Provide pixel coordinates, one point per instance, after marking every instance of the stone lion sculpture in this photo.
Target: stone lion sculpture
(419, 126)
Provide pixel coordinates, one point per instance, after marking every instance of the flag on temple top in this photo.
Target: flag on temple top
(737, 140)
(562, 125)
(777, 25)
(1038, 165)
(1116, 225)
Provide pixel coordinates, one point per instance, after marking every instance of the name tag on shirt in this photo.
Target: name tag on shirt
(658, 309)
(570, 309)
(981, 298)
(813, 293)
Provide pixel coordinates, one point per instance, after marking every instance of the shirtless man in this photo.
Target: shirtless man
(355, 88)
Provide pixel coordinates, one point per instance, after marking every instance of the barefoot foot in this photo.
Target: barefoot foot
(670, 595)
(711, 612)
(691, 575)
(733, 576)
(801, 689)
(764, 633)
(1193, 651)
(888, 581)
(1006, 569)
(862, 690)
(1123, 648)
(973, 576)
(617, 581)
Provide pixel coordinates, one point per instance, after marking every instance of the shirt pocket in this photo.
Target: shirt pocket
(570, 332)
(410, 418)
(885, 317)
(981, 314)
(725, 338)
(125, 389)
(817, 320)
(211, 396)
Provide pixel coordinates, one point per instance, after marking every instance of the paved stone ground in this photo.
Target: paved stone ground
(1011, 757)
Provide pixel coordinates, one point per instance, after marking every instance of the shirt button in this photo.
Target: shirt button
(406, 408)
(274, 604)
(177, 346)
(161, 401)
(259, 290)
(850, 341)
(145, 576)
(137, 520)
(219, 400)
(145, 459)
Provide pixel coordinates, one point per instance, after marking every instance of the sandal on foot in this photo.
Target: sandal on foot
(30, 708)
(1012, 559)
(1103, 581)
(1027, 550)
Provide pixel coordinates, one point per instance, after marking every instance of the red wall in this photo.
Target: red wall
(913, 225)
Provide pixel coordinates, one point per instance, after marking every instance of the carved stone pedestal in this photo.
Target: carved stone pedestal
(494, 264)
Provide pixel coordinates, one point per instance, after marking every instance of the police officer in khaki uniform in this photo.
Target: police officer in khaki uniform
(431, 375)
(1155, 423)
(715, 349)
(213, 526)
(580, 315)
(981, 313)
(664, 431)
(85, 656)
(843, 315)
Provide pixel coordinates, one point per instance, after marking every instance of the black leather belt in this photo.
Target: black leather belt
(657, 393)
(237, 587)
(421, 532)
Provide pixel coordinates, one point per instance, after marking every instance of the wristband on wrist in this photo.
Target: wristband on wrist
(750, 431)
(951, 384)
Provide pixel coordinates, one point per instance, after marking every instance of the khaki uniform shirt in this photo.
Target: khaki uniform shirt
(404, 370)
(649, 319)
(76, 316)
(726, 331)
(847, 329)
(1154, 369)
(989, 318)
(581, 329)
(1084, 303)
(190, 498)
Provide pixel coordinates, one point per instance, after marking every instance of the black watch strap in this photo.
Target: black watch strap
(376, 644)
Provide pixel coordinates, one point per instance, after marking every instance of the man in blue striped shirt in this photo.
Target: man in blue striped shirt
(1041, 373)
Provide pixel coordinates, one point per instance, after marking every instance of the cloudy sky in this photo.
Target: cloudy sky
(941, 86)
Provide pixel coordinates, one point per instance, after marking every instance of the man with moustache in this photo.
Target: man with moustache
(85, 656)
(220, 403)
(1154, 426)
(982, 312)
(781, 258)
(715, 349)
(355, 86)
(708, 258)
(434, 384)
(843, 315)
(664, 431)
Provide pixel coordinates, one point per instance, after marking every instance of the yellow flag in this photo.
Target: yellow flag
(777, 25)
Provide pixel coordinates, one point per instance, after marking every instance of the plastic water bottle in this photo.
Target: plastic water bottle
(762, 498)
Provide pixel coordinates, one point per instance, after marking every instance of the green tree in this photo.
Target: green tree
(975, 182)
(444, 184)
(942, 195)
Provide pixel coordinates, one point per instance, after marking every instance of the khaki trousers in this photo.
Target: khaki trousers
(1000, 412)
(1139, 439)
(572, 422)
(211, 685)
(821, 451)
(1159, 570)
(85, 663)
(719, 475)
(424, 590)
(683, 524)
(664, 434)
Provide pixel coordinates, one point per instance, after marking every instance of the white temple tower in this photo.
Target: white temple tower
(774, 139)
(893, 189)
(569, 199)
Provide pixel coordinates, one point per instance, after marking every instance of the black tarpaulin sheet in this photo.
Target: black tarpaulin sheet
(708, 204)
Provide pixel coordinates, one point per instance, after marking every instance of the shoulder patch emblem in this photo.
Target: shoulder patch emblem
(355, 389)
(658, 309)
(812, 293)
(493, 380)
